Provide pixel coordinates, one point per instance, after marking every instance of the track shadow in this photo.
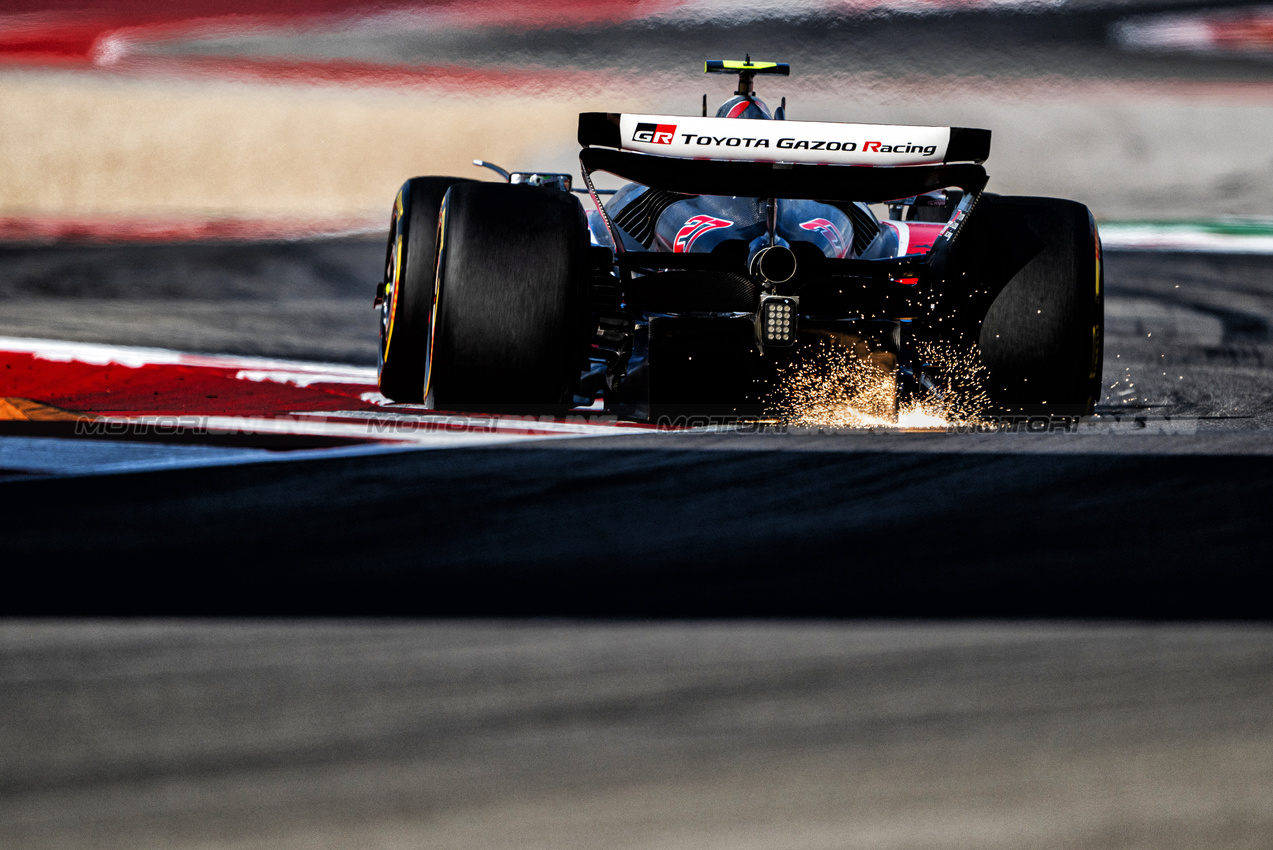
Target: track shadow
(637, 533)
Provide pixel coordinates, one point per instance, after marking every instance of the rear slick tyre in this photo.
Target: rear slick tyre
(511, 321)
(406, 312)
(1042, 339)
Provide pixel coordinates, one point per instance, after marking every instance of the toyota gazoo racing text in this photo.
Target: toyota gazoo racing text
(737, 248)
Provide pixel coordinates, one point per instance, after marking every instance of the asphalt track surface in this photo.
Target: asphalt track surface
(799, 729)
(1155, 510)
(751, 735)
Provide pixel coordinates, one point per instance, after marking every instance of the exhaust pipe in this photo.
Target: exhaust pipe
(773, 264)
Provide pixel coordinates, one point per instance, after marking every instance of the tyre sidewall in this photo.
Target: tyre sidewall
(411, 261)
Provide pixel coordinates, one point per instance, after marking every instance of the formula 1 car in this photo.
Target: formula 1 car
(738, 242)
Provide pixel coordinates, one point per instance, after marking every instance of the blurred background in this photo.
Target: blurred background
(246, 123)
(228, 117)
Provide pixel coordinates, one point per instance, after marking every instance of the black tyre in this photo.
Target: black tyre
(1042, 337)
(511, 318)
(411, 262)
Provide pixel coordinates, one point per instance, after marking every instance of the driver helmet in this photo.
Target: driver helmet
(744, 106)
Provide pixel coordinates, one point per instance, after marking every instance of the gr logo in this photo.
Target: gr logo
(657, 134)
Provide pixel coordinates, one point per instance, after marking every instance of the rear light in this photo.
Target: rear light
(777, 320)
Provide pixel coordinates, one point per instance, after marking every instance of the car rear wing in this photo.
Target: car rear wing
(783, 159)
(781, 180)
(662, 152)
(814, 142)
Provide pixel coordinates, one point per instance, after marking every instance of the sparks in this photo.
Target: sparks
(829, 385)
